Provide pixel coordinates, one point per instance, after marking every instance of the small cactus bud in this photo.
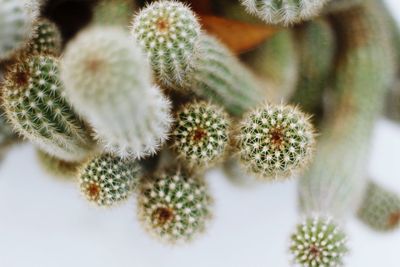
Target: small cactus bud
(276, 141)
(318, 242)
(46, 38)
(380, 208)
(36, 107)
(174, 207)
(107, 180)
(169, 32)
(201, 134)
(284, 12)
(57, 167)
(108, 81)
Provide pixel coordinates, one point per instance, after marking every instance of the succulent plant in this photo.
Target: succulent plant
(342, 5)
(114, 12)
(174, 207)
(284, 12)
(201, 134)
(107, 180)
(57, 167)
(46, 38)
(34, 103)
(109, 82)
(380, 208)
(16, 20)
(318, 242)
(275, 141)
(169, 32)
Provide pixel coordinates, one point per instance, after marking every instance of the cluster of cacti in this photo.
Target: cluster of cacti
(147, 110)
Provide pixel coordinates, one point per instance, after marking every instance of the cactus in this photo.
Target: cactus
(16, 24)
(221, 78)
(174, 207)
(169, 32)
(35, 105)
(114, 12)
(284, 12)
(275, 141)
(107, 180)
(316, 44)
(335, 182)
(201, 134)
(46, 38)
(318, 241)
(57, 167)
(109, 82)
(380, 208)
(342, 5)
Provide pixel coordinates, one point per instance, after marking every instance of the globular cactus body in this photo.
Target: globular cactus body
(35, 104)
(109, 82)
(46, 38)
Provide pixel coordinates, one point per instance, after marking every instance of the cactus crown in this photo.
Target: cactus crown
(276, 141)
(174, 207)
(318, 242)
(201, 133)
(46, 38)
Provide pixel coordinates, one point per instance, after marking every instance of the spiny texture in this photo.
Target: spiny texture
(108, 81)
(169, 32)
(380, 208)
(57, 167)
(46, 38)
(107, 180)
(174, 207)
(318, 242)
(114, 12)
(201, 134)
(284, 12)
(316, 44)
(221, 78)
(275, 141)
(16, 24)
(335, 182)
(34, 103)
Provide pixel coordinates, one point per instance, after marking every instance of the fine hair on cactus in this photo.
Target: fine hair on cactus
(46, 38)
(275, 141)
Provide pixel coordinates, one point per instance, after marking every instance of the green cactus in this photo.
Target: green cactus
(56, 167)
(284, 12)
(114, 12)
(335, 182)
(201, 134)
(16, 20)
(107, 180)
(34, 103)
(169, 32)
(318, 242)
(108, 81)
(380, 208)
(275, 141)
(46, 38)
(174, 207)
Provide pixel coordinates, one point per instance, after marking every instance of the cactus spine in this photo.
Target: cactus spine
(46, 38)
(109, 82)
(34, 103)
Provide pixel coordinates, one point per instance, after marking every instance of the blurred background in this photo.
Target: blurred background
(46, 222)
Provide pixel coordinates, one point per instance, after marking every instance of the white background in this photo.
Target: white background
(45, 222)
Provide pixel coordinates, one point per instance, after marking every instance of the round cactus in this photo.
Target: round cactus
(16, 20)
(107, 180)
(35, 105)
(169, 32)
(46, 38)
(380, 208)
(174, 207)
(284, 12)
(275, 141)
(318, 242)
(113, 12)
(57, 167)
(201, 134)
(108, 81)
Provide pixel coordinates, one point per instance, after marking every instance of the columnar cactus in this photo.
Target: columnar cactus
(174, 207)
(169, 32)
(57, 167)
(107, 180)
(318, 242)
(275, 141)
(46, 38)
(108, 81)
(284, 12)
(380, 208)
(201, 134)
(34, 103)
(16, 20)
(114, 12)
